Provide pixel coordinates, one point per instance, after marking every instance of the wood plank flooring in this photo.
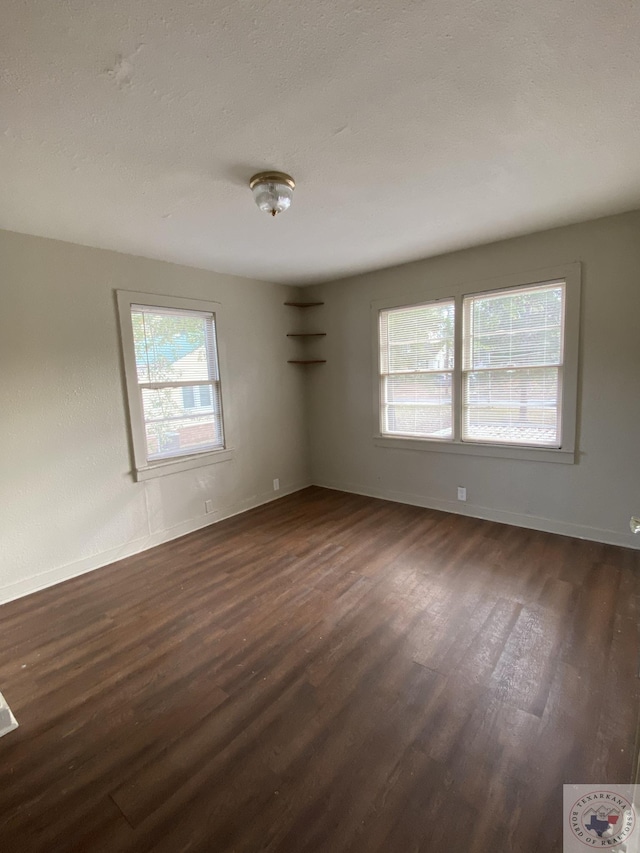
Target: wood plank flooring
(325, 673)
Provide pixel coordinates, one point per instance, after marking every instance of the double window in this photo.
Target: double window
(490, 367)
(172, 367)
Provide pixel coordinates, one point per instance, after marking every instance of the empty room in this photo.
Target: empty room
(319, 405)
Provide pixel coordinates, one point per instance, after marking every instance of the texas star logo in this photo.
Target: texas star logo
(602, 819)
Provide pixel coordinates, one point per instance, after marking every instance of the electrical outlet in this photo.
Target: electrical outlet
(634, 524)
(208, 506)
(462, 493)
(276, 484)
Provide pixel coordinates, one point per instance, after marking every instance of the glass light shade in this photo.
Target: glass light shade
(272, 192)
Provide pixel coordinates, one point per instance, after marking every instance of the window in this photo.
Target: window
(483, 368)
(416, 369)
(173, 381)
(512, 344)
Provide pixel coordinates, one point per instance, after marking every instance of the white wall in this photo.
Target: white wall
(593, 498)
(68, 500)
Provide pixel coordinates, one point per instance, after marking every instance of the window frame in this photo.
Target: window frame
(566, 452)
(144, 468)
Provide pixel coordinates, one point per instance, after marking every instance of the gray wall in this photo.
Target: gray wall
(593, 498)
(69, 502)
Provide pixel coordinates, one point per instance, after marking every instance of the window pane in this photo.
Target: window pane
(417, 338)
(517, 328)
(512, 406)
(181, 437)
(172, 428)
(171, 346)
(418, 405)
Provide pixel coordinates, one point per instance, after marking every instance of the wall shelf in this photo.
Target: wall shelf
(306, 335)
(304, 304)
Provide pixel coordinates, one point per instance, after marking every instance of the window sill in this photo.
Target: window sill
(183, 463)
(502, 451)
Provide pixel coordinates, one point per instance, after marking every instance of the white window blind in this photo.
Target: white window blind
(512, 365)
(178, 380)
(416, 365)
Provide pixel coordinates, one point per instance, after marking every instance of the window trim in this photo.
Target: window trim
(566, 453)
(144, 469)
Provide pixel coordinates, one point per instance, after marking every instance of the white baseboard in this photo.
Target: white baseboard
(547, 525)
(63, 573)
(60, 574)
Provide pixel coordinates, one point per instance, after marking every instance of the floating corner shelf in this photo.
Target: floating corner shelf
(304, 304)
(306, 334)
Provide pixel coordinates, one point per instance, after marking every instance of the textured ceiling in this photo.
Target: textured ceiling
(412, 127)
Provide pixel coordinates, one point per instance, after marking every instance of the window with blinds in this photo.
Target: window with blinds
(178, 380)
(416, 370)
(495, 367)
(512, 360)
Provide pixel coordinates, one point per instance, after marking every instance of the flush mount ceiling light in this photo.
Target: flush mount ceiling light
(272, 191)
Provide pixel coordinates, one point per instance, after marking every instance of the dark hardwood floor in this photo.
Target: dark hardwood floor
(325, 673)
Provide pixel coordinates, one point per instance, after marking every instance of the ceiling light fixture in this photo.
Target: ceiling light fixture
(272, 191)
